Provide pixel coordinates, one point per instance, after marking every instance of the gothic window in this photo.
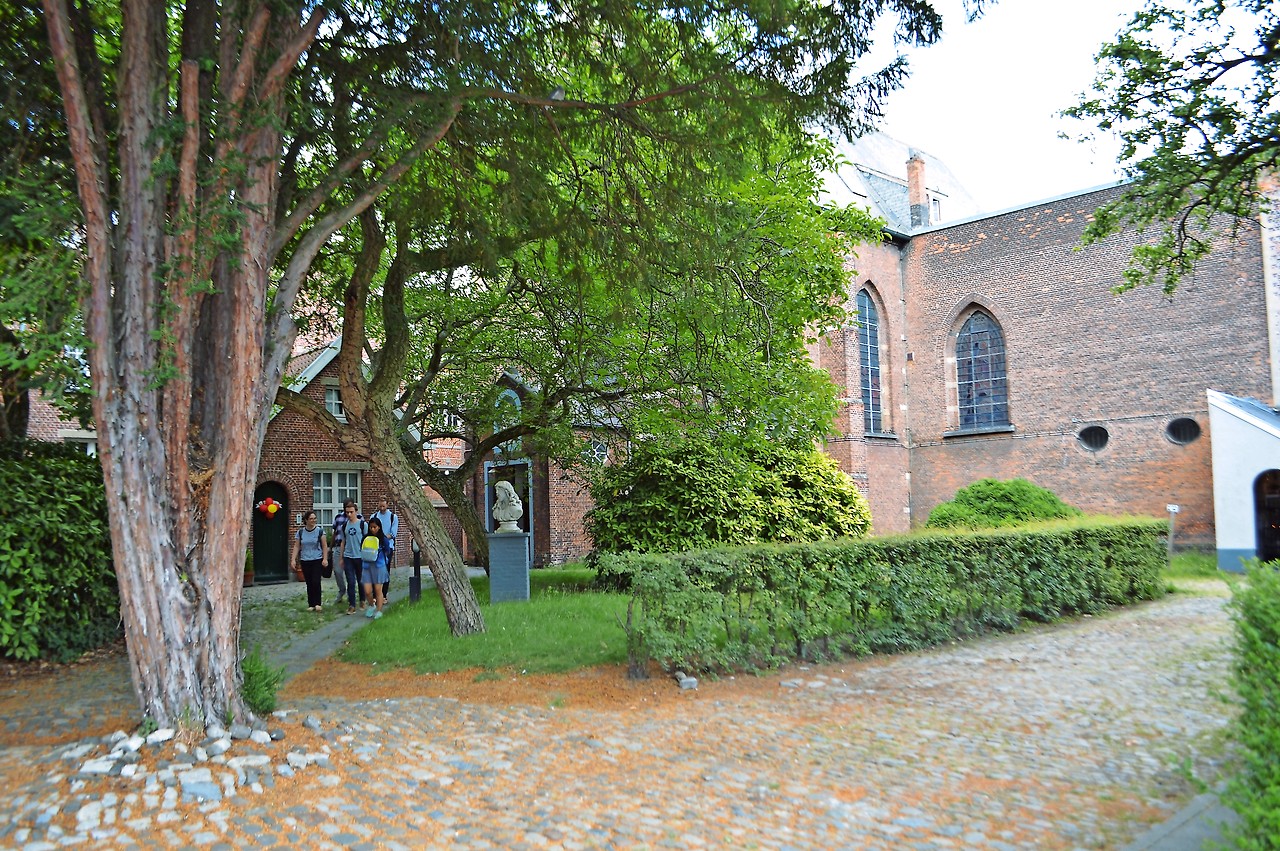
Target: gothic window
(980, 374)
(869, 363)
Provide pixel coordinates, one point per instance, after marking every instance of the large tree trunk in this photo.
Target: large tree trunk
(184, 361)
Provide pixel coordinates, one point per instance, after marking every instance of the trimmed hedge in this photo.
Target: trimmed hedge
(58, 593)
(1255, 792)
(757, 606)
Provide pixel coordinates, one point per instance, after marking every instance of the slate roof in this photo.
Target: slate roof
(875, 177)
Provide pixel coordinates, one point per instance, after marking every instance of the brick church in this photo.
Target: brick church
(992, 345)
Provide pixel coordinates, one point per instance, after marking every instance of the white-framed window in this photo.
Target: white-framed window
(330, 489)
(86, 439)
(596, 452)
(333, 403)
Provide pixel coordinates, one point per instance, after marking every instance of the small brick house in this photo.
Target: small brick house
(303, 468)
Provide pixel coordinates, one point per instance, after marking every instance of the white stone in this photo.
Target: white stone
(98, 766)
(256, 760)
(262, 737)
(164, 734)
(128, 770)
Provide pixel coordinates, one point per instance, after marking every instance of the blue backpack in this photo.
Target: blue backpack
(369, 549)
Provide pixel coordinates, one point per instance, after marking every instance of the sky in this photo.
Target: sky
(984, 99)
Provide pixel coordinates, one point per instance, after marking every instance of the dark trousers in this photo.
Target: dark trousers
(352, 567)
(311, 572)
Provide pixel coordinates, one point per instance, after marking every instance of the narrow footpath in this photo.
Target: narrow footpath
(1079, 735)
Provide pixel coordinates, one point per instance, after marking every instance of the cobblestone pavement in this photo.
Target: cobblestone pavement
(1076, 735)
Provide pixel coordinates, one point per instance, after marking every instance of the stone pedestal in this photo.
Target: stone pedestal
(509, 566)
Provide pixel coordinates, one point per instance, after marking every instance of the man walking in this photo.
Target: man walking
(390, 528)
(353, 532)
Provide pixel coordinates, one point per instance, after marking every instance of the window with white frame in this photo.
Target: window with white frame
(330, 489)
(596, 452)
(333, 403)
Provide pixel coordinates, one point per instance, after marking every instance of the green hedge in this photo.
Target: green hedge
(58, 594)
(1255, 792)
(759, 605)
(990, 503)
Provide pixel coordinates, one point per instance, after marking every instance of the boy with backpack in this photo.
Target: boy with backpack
(352, 532)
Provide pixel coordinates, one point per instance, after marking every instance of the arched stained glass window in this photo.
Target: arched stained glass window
(980, 373)
(869, 362)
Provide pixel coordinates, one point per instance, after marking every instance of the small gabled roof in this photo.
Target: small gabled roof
(303, 368)
(1258, 414)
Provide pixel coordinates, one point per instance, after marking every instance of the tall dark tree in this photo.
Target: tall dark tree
(1192, 89)
(211, 175)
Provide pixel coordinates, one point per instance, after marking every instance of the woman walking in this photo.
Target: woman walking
(309, 555)
(376, 572)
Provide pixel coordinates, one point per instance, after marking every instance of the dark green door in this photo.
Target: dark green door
(271, 535)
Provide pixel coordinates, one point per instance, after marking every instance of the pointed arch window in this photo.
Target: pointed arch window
(981, 382)
(869, 363)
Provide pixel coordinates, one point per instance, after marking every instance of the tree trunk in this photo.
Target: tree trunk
(460, 604)
(451, 490)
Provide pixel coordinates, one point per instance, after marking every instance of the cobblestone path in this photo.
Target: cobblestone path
(1076, 735)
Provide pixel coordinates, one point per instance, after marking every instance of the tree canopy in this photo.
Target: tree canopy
(220, 149)
(1192, 90)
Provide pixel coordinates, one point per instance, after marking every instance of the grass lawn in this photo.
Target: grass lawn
(563, 626)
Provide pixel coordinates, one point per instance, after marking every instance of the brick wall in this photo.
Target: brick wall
(1079, 355)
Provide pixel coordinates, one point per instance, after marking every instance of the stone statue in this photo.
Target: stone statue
(507, 507)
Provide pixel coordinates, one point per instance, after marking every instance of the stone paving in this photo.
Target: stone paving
(1073, 736)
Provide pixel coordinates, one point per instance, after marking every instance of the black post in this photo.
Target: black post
(415, 581)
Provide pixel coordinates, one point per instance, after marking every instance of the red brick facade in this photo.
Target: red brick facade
(1077, 355)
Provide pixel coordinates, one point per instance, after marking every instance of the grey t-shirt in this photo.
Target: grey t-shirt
(352, 538)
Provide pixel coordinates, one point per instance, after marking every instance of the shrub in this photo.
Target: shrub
(58, 593)
(261, 682)
(1255, 791)
(988, 503)
(694, 495)
(746, 607)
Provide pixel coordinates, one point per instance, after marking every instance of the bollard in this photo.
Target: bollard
(415, 581)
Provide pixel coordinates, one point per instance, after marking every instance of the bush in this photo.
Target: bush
(988, 503)
(693, 495)
(754, 606)
(58, 593)
(261, 682)
(1255, 792)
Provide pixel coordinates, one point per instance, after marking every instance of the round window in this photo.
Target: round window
(1183, 430)
(1093, 438)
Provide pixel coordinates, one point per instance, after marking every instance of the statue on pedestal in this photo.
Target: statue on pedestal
(507, 508)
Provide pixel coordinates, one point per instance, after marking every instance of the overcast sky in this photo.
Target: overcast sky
(984, 99)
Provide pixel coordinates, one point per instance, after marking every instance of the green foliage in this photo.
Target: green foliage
(1254, 793)
(261, 682)
(1192, 89)
(988, 503)
(695, 494)
(752, 606)
(58, 593)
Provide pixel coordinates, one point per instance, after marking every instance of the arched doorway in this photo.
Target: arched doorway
(1266, 514)
(271, 535)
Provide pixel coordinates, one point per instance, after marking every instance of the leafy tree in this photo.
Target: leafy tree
(710, 323)
(671, 496)
(214, 163)
(40, 328)
(1192, 89)
(990, 503)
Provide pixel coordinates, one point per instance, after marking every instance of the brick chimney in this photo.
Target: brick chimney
(917, 196)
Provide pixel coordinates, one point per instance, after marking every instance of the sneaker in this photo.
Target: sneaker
(369, 612)
(351, 610)
(377, 615)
